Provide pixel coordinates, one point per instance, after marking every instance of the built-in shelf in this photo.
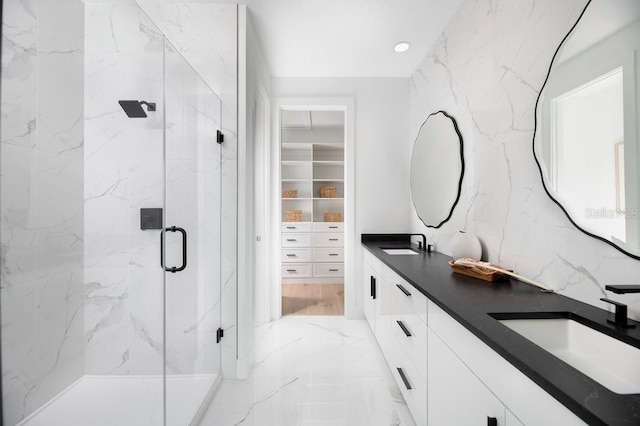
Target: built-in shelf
(312, 249)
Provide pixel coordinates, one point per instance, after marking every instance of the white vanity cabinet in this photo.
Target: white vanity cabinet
(526, 402)
(456, 395)
(455, 378)
(401, 332)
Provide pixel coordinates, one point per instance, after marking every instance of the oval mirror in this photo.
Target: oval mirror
(437, 167)
(586, 142)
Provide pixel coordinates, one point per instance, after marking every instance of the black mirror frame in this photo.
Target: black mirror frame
(535, 157)
(455, 126)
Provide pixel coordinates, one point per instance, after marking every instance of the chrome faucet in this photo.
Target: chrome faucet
(422, 245)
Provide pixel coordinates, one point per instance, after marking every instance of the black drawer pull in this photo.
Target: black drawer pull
(292, 227)
(291, 240)
(373, 287)
(333, 239)
(333, 270)
(292, 270)
(404, 328)
(404, 378)
(492, 421)
(291, 255)
(404, 290)
(333, 254)
(333, 227)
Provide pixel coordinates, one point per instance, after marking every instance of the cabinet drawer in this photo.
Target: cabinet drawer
(416, 397)
(295, 270)
(296, 227)
(296, 240)
(404, 321)
(296, 255)
(328, 270)
(328, 226)
(413, 298)
(328, 254)
(328, 240)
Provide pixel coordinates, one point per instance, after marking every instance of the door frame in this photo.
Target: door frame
(347, 105)
(262, 211)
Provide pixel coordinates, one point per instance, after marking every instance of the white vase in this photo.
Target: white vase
(466, 244)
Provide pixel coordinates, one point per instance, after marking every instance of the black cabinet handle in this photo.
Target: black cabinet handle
(333, 227)
(333, 254)
(492, 421)
(291, 255)
(333, 270)
(404, 290)
(373, 287)
(291, 270)
(291, 227)
(291, 240)
(404, 328)
(333, 239)
(404, 378)
(174, 269)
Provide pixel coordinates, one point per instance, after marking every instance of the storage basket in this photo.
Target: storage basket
(333, 217)
(328, 192)
(289, 193)
(293, 215)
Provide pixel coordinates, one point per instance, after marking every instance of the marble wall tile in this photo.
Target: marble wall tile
(106, 324)
(486, 70)
(42, 201)
(19, 72)
(19, 364)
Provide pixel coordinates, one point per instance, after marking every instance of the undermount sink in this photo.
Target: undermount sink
(397, 251)
(608, 361)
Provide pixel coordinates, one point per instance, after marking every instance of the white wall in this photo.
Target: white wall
(381, 171)
(486, 70)
(254, 84)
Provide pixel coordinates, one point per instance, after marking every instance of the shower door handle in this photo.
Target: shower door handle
(174, 269)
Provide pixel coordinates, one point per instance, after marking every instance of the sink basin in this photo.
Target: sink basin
(608, 361)
(397, 251)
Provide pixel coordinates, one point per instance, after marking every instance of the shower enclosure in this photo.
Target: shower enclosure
(110, 222)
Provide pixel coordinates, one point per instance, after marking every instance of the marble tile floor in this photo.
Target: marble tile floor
(124, 401)
(320, 371)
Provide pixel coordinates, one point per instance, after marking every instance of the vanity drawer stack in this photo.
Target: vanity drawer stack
(312, 251)
(399, 320)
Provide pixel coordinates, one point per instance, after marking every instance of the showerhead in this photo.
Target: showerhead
(134, 109)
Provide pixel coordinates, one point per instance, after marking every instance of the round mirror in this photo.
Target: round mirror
(437, 167)
(586, 141)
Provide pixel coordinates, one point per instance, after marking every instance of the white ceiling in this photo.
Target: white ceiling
(347, 38)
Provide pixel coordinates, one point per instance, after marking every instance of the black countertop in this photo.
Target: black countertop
(470, 301)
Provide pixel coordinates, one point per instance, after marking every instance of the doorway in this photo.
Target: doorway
(312, 211)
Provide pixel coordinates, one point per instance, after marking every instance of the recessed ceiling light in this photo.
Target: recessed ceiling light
(402, 46)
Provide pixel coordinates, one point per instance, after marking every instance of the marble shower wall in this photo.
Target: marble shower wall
(486, 70)
(124, 171)
(206, 34)
(126, 167)
(41, 204)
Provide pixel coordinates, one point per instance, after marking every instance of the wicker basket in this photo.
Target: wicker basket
(333, 217)
(328, 192)
(293, 215)
(289, 193)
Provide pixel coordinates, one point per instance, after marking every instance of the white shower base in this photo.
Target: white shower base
(127, 401)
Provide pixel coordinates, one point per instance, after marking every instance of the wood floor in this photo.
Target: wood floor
(312, 299)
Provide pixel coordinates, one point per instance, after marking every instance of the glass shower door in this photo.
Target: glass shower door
(192, 240)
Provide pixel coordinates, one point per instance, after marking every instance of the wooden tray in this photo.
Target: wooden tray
(480, 272)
